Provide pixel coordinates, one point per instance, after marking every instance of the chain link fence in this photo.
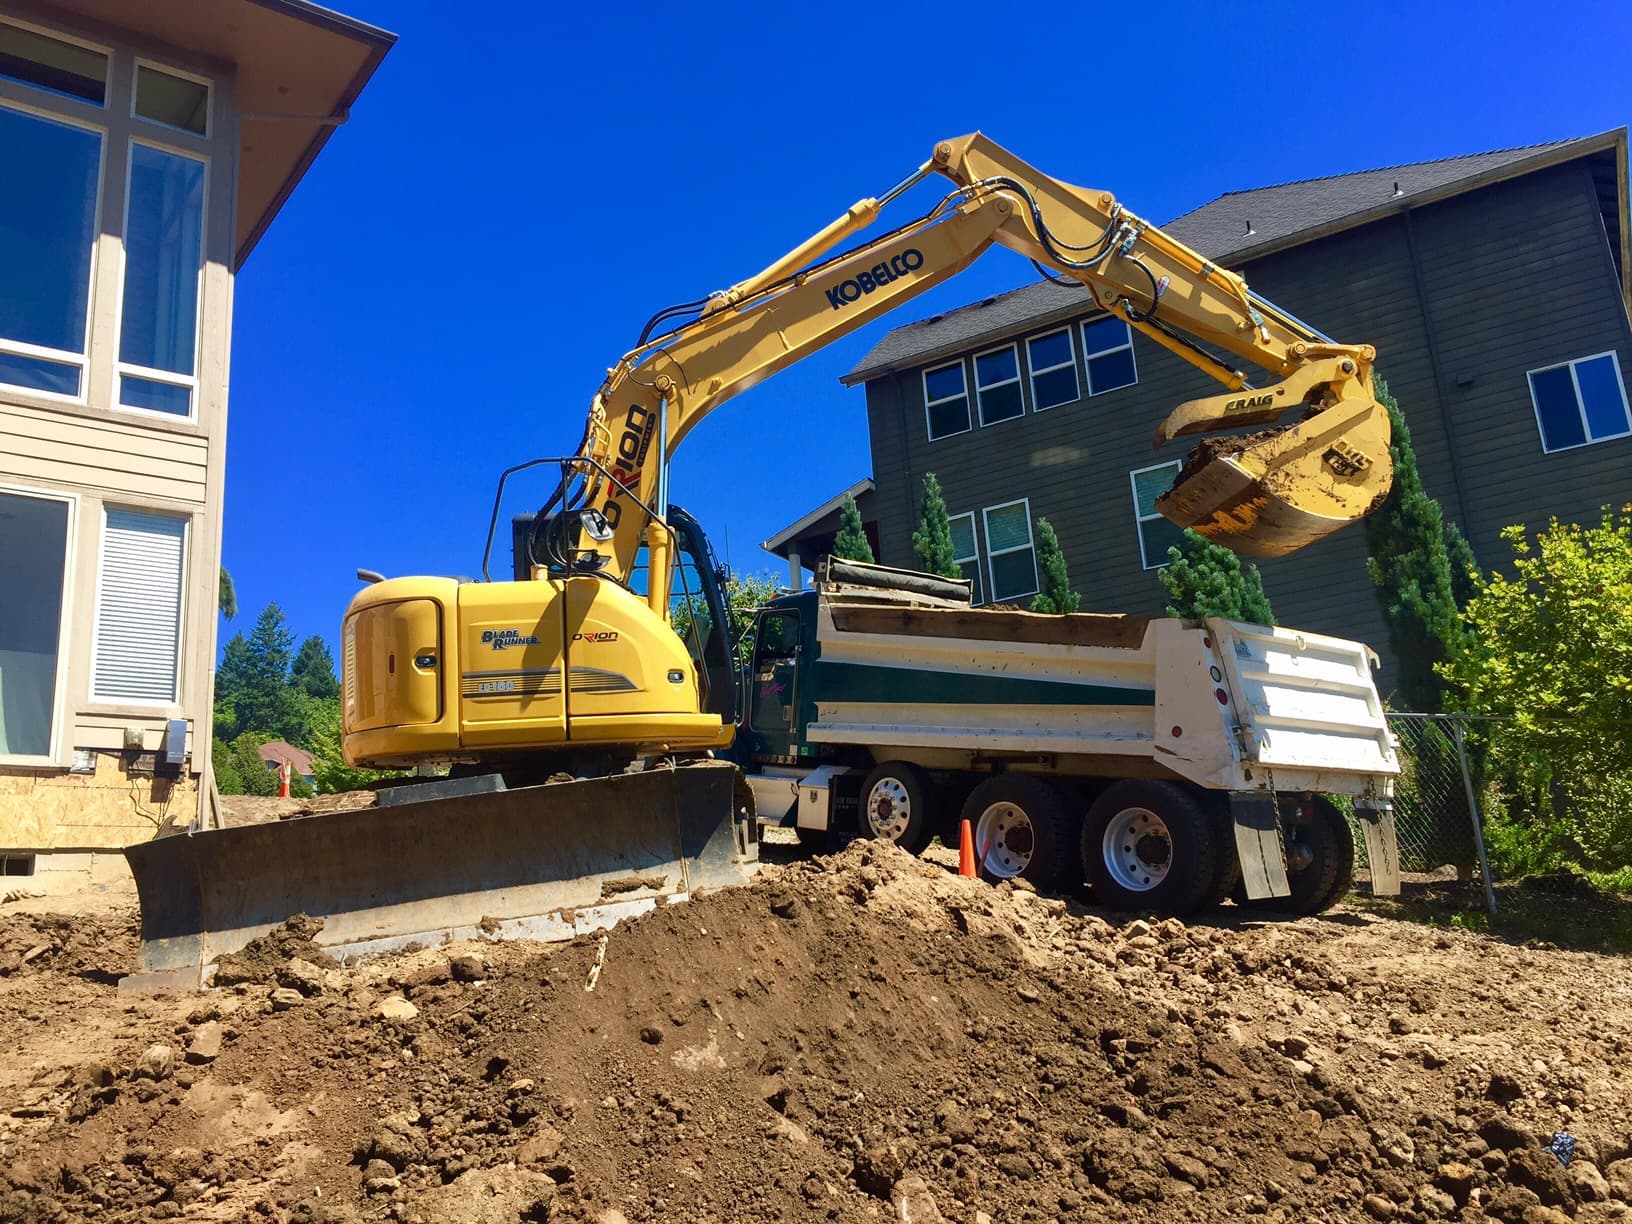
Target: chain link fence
(1436, 808)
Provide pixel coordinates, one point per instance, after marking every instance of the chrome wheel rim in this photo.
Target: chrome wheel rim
(1137, 849)
(889, 809)
(1004, 841)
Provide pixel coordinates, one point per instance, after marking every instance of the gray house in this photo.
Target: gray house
(1495, 287)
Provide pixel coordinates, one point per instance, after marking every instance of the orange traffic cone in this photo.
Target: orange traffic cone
(966, 850)
(284, 772)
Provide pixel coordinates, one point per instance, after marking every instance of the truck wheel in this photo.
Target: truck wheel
(1150, 845)
(895, 806)
(1326, 878)
(1227, 868)
(1021, 828)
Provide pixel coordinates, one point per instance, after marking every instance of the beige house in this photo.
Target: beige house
(144, 149)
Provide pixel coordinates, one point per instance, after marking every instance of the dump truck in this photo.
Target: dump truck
(573, 668)
(1167, 763)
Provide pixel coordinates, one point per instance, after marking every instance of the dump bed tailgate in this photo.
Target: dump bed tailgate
(1303, 700)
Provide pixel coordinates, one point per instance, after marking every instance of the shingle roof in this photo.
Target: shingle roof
(1281, 215)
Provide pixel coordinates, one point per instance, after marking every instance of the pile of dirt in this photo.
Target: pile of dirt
(271, 956)
(264, 809)
(858, 1038)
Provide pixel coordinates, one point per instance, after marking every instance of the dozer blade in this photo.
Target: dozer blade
(1272, 493)
(547, 862)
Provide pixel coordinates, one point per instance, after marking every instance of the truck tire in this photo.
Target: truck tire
(1151, 845)
(1227, 869)
(1330, 873)
(896, 800)
(1022, 827)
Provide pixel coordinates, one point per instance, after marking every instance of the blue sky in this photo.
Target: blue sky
(522, 185)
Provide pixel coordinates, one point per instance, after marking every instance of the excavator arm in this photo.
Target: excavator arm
(1264, 496)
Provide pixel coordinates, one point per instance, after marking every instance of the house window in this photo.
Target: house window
(51, 170)
(1009, 554)
(1053, 370)
(997, 385)
(138, 607)
(966, 553)
(1107, 349)
(34, 533)
(1156, 534)
(946, 401)
(158, 328)
(175, 101)
(63, 67)
(1580, 401)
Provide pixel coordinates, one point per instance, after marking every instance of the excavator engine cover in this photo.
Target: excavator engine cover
(539, 862)
(1272, 493)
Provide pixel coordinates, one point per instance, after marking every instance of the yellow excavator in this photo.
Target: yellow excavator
(574, 669)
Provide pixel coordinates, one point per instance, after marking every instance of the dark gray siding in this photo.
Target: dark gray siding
(1492, 283)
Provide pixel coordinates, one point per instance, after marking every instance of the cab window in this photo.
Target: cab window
(776, 653)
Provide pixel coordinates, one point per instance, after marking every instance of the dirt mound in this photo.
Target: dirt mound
(264, 958)
(864, 1037)
(80, 944)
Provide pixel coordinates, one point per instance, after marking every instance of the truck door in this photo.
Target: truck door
(773, 680)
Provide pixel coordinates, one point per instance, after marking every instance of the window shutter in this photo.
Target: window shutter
(138, 607)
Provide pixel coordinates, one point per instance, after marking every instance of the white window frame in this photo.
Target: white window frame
(181, 74)
(980, 401)
(181, 609)
(73, 39)
(929, 428)
(974, 557)
(1580, 404)
(17, 348)
(120, 368)
(1029, 546)
(1088, 358)
(1032, 371)
(1139, 520)
(59, 694)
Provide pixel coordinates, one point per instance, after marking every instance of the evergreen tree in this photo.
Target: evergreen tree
(1057, 596)
(252, 686)
(226, 595)
(851, 542)
(932, 542)
(1206, 579)
(1412, 573)
(313, 670)
(1465, 573)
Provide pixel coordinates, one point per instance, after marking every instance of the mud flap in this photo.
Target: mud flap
(540, 862)
(1258, 844)
(1382, 847)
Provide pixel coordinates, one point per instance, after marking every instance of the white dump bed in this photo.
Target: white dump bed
(1226, 705)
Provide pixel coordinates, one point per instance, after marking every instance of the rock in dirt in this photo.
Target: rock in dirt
(300, 975)
(206, 1043)
(499, 1195)
(283, 998)
(879, 1167)
(471, 967)
(395, 1007)
(260, 959)
(913, 1203)
(156, 1063)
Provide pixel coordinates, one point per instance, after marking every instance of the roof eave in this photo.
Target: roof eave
(380, 42)
(864, 485)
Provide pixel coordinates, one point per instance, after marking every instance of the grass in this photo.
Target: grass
(1559, 909)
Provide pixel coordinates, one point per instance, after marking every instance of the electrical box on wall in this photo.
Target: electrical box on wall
(173, 752)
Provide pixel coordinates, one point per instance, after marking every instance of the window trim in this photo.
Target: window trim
(18, 348)
(1071, 362)
(59, 694)
(1029, 546)
(1139, 520)
(1017, 380)
(969, 417)
(974, 557)
(196, 78)
(122, 368)
(177, 702)
(1087, 357)
(107, 52)
(1580, 405)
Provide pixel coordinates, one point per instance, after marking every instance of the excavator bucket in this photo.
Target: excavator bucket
(540, 862)
(1271, 493)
